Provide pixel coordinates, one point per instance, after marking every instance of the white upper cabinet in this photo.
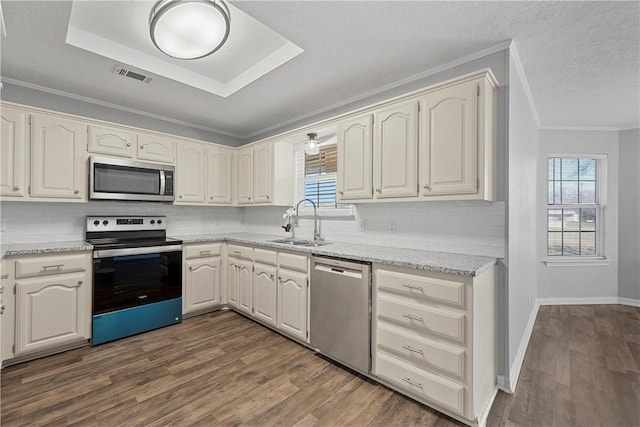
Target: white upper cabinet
(111, 141)
(190, 176)
(263, 173)
(156, 148)
(14, 141)
(395, 150)
(355, 158)
(448, 143)
(58, 165)
(220, 175)
(245, 176)
(266, 174)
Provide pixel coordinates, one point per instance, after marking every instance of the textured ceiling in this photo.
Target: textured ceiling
(581, 58)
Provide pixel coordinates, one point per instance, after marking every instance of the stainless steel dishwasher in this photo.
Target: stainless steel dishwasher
(340, 311)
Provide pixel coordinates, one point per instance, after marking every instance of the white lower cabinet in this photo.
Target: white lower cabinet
(202, 277)
(433, 338)
(292, 303)
(264, 293)
(47, 303)
(245, 286)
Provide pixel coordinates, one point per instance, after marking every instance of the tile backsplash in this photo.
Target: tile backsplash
(476, 228)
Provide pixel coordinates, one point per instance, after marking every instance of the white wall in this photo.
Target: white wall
(582, 281)
(24, 222)
(629, 215)
(475, 228)
(520, 261)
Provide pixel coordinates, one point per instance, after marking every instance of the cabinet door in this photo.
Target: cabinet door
(58, 167)
(448, 142)
(292, 303)
(111, 141)
(245, 176)
(232, 279)
(51, 311)
(190, 173)
(355, 158)
(202, 284)
(264, 293)
(156, 148)
(13, 142)
(219, 175)
(245, 286)
(395, 151)
(263, 173)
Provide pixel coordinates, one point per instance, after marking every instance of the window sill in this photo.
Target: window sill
(578, 262)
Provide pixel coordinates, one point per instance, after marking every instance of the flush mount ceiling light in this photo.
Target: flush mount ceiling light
(189, 29)
(311, 146)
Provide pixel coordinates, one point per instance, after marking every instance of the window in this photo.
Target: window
(317, 175)
(574, 211)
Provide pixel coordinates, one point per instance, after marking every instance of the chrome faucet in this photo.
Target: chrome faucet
(316, 232)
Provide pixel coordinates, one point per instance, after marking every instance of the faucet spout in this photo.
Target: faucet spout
(316, 232)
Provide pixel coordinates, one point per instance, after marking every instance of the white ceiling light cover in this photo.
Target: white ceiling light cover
(189, 29)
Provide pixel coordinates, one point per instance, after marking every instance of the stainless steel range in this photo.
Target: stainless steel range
(137, 276)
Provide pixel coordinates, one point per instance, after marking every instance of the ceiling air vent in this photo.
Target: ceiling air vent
(126, 72)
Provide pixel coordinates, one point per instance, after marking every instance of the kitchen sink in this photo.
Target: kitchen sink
(300, 242)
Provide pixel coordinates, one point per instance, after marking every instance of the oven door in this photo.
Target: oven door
(124, 278)
(118, 179)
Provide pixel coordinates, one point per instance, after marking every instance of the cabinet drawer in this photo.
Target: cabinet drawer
(445, 323)
(240, 251)
(449, 291)
(43, 266)
(201, 251)
(265, 256)
(422, 352)
(417, 382)
(293, 261)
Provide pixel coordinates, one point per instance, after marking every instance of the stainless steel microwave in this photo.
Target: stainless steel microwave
(121, 179)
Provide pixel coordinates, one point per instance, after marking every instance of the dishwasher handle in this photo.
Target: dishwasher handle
(339, 271)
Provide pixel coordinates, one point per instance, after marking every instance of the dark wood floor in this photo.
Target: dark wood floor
(222, 369)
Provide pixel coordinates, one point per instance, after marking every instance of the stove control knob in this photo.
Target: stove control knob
(159, 221)
(105, 222)
(96, 222)
(153, 222)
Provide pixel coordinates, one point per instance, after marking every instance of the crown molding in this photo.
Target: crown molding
(513, 52)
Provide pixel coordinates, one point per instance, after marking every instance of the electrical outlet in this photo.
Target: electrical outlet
(361, 225)
(392, 226)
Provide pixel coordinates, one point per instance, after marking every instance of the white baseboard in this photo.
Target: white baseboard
(516, 366)
(629, 301)
(482, 421)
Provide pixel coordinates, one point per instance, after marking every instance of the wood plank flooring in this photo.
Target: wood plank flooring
(220, 369)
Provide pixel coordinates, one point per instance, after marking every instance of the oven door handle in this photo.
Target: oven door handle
(108, 253)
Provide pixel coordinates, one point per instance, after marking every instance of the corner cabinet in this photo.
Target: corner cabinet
(433, 338)
(265, 174)
(48, 303)
(438, 145)
(13, 152)
(58, 160)
(202, 277)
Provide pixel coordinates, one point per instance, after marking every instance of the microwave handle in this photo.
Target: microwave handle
(163, 183)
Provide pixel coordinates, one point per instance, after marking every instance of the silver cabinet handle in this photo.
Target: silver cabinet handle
(413, 350)
(2, 307)
(16, 188)
(378, 190)
(249, 198)
(57, 266)
(426, 187)
(417, 288)
(408, 381)
(76, 192)
(267, 197)
(411, 317)
(190, 268)
(80, 282)
(142, 147)
(128, 144)
(210, 197)
(205, 252)
(341, 192)
(237, 252)
(271, 276)
(179, 197)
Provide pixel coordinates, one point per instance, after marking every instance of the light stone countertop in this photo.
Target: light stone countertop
(460, 264)
(44, 248)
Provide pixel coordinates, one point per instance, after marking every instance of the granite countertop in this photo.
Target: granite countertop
(44, 248)
(464, 265)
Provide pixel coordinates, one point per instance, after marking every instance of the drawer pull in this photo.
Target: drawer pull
(408, 381)
(411, 317)
(237, 252)
(417, 288)
(205, 252)
(16, 188)
(190, 268)
(413, 350)
(57, 267)
(2, 307)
